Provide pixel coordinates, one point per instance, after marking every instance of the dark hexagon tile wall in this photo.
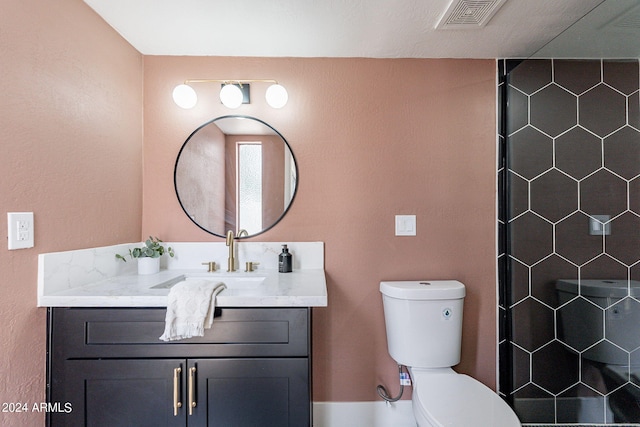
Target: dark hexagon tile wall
(604, 266)
(617, 147)
(534, 236)
(624, 244)
(602, 110)
(547, 271)
(621, 75)
(570, 149)
(531, 152)
(633, 105)
(574, 243)
(603, 192)
(588, 145)
(554, 195)
(577, 76)
(553, 110)
(555, 368)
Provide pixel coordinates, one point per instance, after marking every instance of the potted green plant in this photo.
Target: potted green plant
(148, 256)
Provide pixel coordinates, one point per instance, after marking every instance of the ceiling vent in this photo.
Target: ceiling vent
(468, 14)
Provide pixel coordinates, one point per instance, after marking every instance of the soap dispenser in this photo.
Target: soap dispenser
(285, 260)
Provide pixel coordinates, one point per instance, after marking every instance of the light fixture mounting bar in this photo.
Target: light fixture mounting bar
(230, 81)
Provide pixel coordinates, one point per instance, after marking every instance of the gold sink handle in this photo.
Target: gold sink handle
(211, 266)
(250, 266)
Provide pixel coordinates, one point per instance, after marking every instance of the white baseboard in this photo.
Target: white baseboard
(363, 414)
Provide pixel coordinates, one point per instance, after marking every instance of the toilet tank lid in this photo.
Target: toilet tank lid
(602, 288)
(423, 289)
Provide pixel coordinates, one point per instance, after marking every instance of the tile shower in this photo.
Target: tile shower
(569, 211)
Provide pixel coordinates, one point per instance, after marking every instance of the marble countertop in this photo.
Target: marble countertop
(300, 288)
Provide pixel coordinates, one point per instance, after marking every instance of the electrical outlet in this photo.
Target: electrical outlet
(20, 230)
(600, 225)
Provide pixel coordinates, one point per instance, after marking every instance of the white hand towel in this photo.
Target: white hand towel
(190, 308)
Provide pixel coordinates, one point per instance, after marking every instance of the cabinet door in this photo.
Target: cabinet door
(250, 392)
(109, 393)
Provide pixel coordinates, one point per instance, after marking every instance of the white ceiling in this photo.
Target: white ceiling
(333, 28)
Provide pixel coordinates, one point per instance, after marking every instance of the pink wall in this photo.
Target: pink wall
(71, 152)
(372, 138)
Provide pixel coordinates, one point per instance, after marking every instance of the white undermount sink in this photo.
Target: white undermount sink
(231, 281)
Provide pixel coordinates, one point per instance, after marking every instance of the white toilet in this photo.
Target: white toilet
(424, 332)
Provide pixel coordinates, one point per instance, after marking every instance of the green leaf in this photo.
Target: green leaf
(151, 249)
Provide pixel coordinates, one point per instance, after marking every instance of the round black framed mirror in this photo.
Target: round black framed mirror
(235, 173)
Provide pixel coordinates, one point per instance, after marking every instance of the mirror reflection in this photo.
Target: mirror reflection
(610, 30)
(235, 173)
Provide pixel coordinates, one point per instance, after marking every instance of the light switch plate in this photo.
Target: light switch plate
(405, 225)
(20, 230)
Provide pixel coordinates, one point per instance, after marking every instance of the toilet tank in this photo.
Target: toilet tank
(423, 320)
(582, 328)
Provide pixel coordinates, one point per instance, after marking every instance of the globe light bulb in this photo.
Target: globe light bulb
(277, 96)
(231, 96)
(184, 96)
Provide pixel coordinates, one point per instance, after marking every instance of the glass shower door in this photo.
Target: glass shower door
(570, 234)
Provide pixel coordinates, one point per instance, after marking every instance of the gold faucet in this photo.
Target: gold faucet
(231, 263)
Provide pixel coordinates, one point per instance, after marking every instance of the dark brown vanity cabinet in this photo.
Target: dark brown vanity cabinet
(252, 368)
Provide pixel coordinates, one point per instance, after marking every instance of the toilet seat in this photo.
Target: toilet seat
(444, 398)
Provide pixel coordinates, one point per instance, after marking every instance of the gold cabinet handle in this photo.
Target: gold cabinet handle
(192, 389)
(176, 391)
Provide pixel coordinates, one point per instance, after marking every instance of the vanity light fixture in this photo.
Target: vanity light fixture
(232, 93)
(184, 96)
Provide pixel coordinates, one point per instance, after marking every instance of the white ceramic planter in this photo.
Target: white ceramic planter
(148, 265)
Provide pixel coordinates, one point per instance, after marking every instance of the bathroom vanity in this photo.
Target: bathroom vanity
(107, 365)
(252, 368)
